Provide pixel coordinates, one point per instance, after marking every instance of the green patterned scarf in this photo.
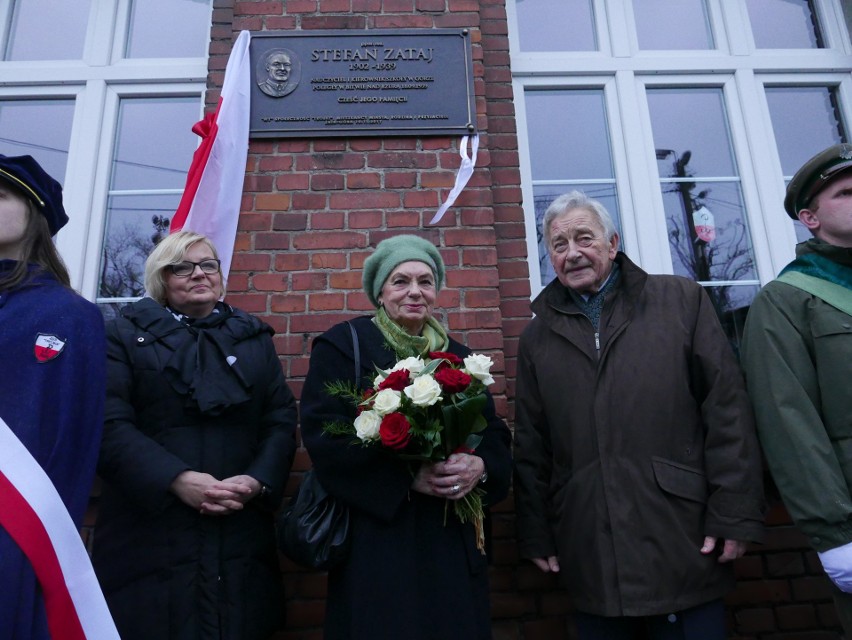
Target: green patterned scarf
(432, 338)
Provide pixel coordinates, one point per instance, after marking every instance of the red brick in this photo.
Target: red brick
(309, 201)
(327, 220)
(290, 221)
(272, 201)
(334, 22)
(293, 182)
(329, 240)
(301, 6)
(334, 6)
(270, 282)
(250, 262)
(291, 261)
(328, 261)
(329, 144)
(288, 303)
(309, 282)
(326, 302)
(375, 200)
(366, 6)
(346, 280)
(483, 298)
(260, 8)
(365, 219)
(370, 180)
(397, 180)
(420, 199)
(401, 160)
(254, 222)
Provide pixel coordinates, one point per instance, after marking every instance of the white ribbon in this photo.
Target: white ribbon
(465, 171)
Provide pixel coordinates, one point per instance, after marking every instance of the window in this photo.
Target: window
(685, 117)
(784, 24)
(116, 134)
(688, 20)
(568, 155)
(805, 120)
(556, 25)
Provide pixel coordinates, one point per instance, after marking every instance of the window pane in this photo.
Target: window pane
(48, 30)
(672, 24)
(569, 149)
(805, 120)
(134, 225)
(691, 121)
(545, 194)
(568, 134)
(705, 216)
(154, 157)
(784, 24)
(145, 158)
(38, 128)
(556, 25)
(707, 231)
(168, 29)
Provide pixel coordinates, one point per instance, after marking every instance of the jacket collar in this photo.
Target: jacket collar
(555, 295)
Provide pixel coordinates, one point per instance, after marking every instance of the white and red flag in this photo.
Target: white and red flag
(33, 514)
(210, 204)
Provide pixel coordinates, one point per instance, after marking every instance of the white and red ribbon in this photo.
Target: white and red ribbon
(211, 200)
(34, 515)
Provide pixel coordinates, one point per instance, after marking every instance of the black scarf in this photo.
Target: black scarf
(200, 369)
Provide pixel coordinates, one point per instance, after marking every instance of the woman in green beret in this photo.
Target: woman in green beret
(414, 570)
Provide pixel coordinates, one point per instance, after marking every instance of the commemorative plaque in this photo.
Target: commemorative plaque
(361, 83)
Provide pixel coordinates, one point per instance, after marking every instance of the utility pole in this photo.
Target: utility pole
(684, 188)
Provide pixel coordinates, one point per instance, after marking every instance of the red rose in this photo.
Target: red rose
(452, 380)
(395, 431)
(452, 358)
(397, 380)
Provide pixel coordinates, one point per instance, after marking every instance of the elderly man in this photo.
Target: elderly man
(797, 356)
(637, 468)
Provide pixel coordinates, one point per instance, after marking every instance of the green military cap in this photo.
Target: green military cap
(815, 175)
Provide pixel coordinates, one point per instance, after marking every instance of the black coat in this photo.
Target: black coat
(166, 570)
(408, 575)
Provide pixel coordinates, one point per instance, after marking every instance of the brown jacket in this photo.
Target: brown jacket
(626, 458)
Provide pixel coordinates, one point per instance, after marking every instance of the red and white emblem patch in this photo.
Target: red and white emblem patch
(48, 346)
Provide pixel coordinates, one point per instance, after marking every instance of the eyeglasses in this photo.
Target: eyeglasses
(186, 268)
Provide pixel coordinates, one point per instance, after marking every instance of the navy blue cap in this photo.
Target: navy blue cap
(30, 179)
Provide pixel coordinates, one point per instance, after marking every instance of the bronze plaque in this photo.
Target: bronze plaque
(406, 82)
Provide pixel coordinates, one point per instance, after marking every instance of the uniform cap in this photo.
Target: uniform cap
(815, 175)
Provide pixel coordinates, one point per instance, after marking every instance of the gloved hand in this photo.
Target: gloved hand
(837, 563)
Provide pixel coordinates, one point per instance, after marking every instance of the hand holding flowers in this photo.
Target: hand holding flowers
(430, 411)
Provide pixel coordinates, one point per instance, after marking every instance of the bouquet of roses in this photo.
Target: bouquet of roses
(423, 410)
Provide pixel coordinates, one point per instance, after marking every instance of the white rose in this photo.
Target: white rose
(387, 401)
(414, 365)
(479, 366)
(367, 425)
(424, 391)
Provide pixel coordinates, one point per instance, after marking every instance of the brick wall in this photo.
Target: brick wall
(313, 209)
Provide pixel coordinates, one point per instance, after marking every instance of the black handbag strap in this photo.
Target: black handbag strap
(357, 352)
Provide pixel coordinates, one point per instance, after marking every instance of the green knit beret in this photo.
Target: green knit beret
(392, 252)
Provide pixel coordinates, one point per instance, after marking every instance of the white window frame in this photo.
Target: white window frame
(735, 66)
(97, 82)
